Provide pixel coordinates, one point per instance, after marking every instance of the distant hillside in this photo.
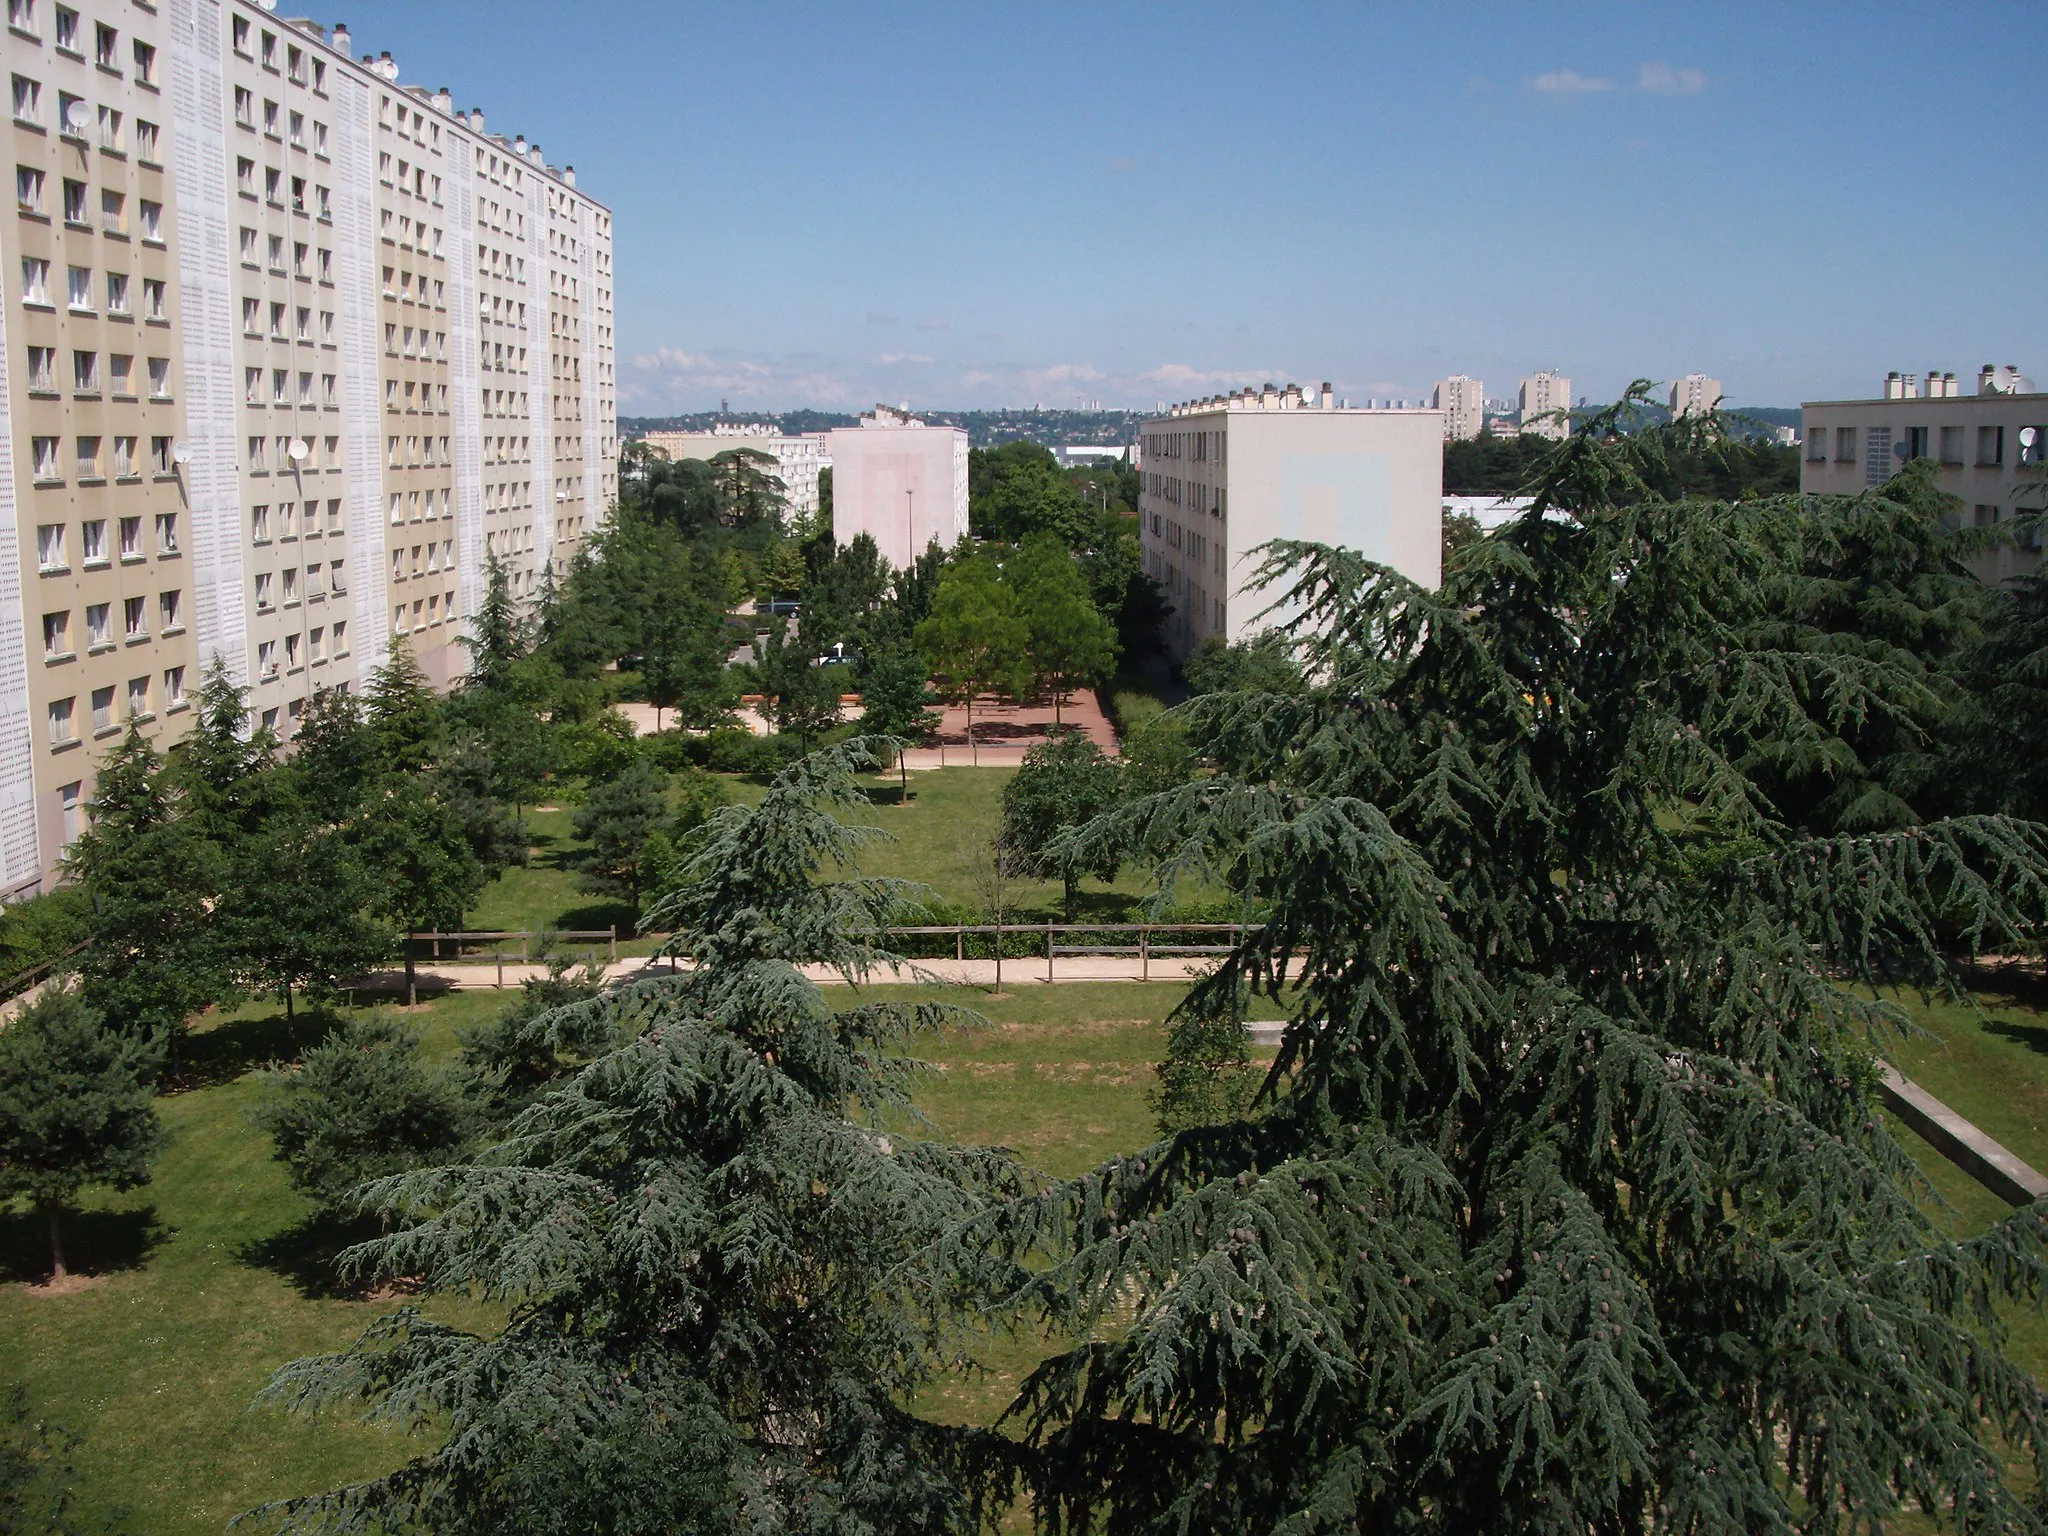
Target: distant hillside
(985, 429)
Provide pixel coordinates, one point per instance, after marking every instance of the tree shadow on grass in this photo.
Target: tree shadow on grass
(2022, 986)
(595, 918)
(95, 1242)
(209, 1057)
(305, 1252)
(2033, 1036)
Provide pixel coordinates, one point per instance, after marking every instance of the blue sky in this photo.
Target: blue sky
(962, 205)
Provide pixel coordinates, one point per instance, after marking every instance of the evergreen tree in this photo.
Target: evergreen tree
(896, 700)
(1207, 1077)
(419, 868)
(749, 490)
(617, 820)
(404, 712)
(1069, 643)
(220, 759)
(301, 911)
(1064, 782)
(1575, 1209)
(150, 879)
(360, 1106)
(334, 758)
(973, 641)
(499, 638)
(710, 1245)
(76, 1109)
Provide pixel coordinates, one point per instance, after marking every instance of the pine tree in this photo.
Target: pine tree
(617, 820)
(714, 1249)
(499, 638)
(404, 711)
(76, 1109)
(1572, 1208)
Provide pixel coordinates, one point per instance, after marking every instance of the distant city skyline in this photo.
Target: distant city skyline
(965, 209)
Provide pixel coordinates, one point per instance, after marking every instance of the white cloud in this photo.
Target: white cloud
(1569, 82)
(1660, 79)
(1181, 376)
(894, 359)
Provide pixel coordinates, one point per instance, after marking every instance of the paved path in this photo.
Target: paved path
(445, 977)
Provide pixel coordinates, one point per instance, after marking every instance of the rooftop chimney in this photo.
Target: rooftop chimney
(387, 66)
(443, 102)
(519, 146)
(340, 36)
(476, 118)
(1327, 400)
(569, 175)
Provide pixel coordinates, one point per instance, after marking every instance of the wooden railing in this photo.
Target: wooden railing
(36, 975)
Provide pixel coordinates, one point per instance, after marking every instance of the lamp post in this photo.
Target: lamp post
(909, 526)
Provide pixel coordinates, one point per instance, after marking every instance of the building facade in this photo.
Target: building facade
(798, 459)
(1990, 449)
(1695, 395)
(1223, 476)
(900, 481)
(1462, 402)
(290, 352)
(1540, 395)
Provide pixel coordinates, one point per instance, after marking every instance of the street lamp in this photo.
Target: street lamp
(909, 526)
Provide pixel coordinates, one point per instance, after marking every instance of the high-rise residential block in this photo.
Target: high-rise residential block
(1225, 475)
(798, 457)
(1695, 395)
(288, 352)
(1541, 395)
(1989, 449)
(899, 480)
(1463, 404)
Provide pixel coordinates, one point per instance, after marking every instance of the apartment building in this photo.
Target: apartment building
(291, 351)
(1462, 402)
(1989, 448)
(1695, 395)
(1540, 395)
(798, 459)
(1224, 475)
(901, 481)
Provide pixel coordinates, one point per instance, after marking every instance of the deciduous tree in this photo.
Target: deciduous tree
(973, 641)
(1064, 783)
(1067, 640)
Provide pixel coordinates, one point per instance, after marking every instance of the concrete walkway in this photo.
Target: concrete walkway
(434, 979)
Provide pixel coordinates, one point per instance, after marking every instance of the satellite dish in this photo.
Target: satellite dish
(298, 449)
(1899, 449)
(2028, 437)
(182, 454)
(78, 117)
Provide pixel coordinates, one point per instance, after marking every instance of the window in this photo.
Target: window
(1845, 445)
(1951, 445)
(85, 372)
(160, 460)
(124, 457)
(88, 451)
(28, 100)
(337, 575)
(153, 291)
(252, 386)
(314, 646)
(22, 14)
(306, 390)
(241, 35)
(167, 607)
(131, 538)
(245, 176)
(56, 635)
(280, 384)
(333, 509)
(326, 265)
(28, 189)
(245, 106)
(398, 565)
(1983, 516)
(117, 293)
(135, 618)
(74, 201)
(291, 652)
(273, 185)
(167, 533)
(50, 543)
(152, 217)
(145, 63)
(159, 378)
(270, 50)
(257, 454)
(138, 698)
(266, 664)
(304, 327)
(98, 627)
(106, 46)
(286, 512)
(35, 280)
(1990, 445)
(277, 313)
(252, 317)
(174, 687)
(60, 721)
(1816, 447)
(42, 370)
(72, 116)
(145, 140)
(114, 213)
(111, 136)
(103, 709)
(263, 599)
(78, 289)
(259, 523)
(341, 638)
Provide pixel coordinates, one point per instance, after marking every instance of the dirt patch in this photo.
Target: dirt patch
(70, 1285)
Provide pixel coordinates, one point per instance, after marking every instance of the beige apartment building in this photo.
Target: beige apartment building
(290, 350)
(1542, 394)
(1224, 475)
(1462, 402)
(1989, 448)
(1695, 395)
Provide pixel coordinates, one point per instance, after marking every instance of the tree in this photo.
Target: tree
(973, 640)
(360, 1106)
(301, 911)
(404, 712)
(1064, 782)
(617, 820)
(1207, 1077)
(896, 700)
(422, 871)
(749, 490)
(1069, 643)
(498, 638)
(1263, 664)
(1573, 1207)
(803, 697)
(710, 1258)
(1017, 490)
(76, 1109)
(150, 878)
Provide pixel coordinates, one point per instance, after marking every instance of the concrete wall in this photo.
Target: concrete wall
(903, 486)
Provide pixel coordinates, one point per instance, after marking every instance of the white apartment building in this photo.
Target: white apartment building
(288, 351)
(1463, 404)
(1694, 395)
(1989, 448)
(1541, 394)
(798, 459)
(899, 480)
(1224, 475)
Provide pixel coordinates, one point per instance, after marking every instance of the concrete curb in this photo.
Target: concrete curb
(1956, 1139)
